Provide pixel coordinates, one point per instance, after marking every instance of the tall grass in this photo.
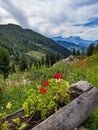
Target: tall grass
(15, 91)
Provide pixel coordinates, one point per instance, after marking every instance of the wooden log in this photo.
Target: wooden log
(18, 113)
(73, 114)
(85, 102)
(82, 128)
(81, 87)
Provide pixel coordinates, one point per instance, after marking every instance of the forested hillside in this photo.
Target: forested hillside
(19, 41)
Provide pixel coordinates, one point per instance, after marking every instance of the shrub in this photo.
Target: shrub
(47, 99)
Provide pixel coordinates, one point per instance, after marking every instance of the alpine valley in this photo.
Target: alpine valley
(32, 45)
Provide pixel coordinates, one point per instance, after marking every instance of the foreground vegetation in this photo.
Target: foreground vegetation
(15, 88)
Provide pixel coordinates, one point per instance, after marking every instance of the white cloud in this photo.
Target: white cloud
(5, 17)
(52, 17)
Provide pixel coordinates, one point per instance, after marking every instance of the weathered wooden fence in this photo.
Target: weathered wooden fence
(72, 115)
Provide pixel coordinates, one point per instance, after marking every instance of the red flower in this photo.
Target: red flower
(43, 90)
(57, 76)
(46, 83)
(1, 89)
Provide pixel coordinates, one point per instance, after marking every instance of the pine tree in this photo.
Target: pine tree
(42, 60)
(23, 64)
(47, 60)
(95, 49)
(90, 50)
(74, 52)
(78, 52)
(4, 62)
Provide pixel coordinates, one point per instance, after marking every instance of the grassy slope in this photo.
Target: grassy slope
(16, 92)
(84, 70)
(22, 41)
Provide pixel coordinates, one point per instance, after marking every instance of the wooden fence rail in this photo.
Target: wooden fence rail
(72, 115)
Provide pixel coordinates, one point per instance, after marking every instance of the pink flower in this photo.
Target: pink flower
(46, 83)
(43, 90)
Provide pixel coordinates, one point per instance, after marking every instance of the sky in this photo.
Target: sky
(53, 17)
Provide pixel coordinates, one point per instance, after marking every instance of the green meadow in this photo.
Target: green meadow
(15, 87)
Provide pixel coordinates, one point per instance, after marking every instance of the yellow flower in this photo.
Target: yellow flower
(9, 105)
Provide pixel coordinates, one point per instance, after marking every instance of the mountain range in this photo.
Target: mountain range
(19, 41)
(74, 42)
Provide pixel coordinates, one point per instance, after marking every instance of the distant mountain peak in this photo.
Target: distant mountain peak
(57, 38)
(74, 39)
(74, 42)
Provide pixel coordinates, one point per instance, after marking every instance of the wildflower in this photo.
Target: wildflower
(1, 89)
(57, 77)
(9, 105)
(46, 83)
(43, 90)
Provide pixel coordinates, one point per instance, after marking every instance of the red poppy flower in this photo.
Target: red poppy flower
(58, 76)
(1, 89)
(46, 83)
(43, 90)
